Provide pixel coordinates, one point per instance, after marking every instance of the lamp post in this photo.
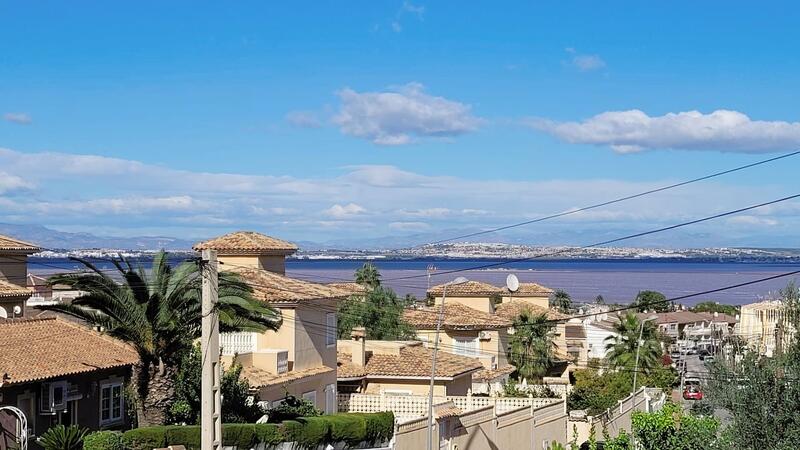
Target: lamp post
(638, 348)
(459, 280)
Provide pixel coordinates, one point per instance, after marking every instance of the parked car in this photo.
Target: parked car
(692, 392)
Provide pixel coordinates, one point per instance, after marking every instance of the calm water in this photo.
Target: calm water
(615, 280)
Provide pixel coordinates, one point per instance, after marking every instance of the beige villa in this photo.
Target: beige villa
(300, 357)
(400, 368)
(14, 276)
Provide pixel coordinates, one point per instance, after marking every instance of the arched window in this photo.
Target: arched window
(3, 313)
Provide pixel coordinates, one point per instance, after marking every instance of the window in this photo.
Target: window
(53, 397)
(111, 403)
(330, 399)
(465, 346)
(310, 396)
(330, 329)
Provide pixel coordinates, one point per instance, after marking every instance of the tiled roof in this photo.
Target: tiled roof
(446, 409)
(261, 378)
(12, 290)
(456, 317)
(529, 289)
(513, 309)
(9, 243)
(719, 318)
(352, 287)
(680, 317)
(246, 243)
(47, 348)
(574, 331)
(491, 374)
(411, 361)
(468, 289)
(273, 288)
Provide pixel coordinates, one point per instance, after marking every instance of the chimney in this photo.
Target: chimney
(359, 334)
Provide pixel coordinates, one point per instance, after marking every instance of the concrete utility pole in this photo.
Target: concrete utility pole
(211, 401)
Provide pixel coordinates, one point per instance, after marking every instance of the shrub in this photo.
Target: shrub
(146, 438)
(188, 436)
(103, 440)
(60, 437)
(242, 435)
(379, 427)
(348, 428)
(308, 432)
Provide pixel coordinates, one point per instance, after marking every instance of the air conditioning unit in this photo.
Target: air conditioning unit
(484, 336)
(53, 397)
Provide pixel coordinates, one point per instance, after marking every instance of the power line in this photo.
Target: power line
(617, 200)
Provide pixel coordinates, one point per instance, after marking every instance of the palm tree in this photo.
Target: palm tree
(159, 316)
(561, 301)
(531, 345)
(368, 275)
(621, 347)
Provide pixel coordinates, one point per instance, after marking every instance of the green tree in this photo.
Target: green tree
(712, 307)
(238, 405)
(595, 392)
(368, 275)
(561, 301)
(651, 301)
(531, 345)
(672, 429)
(159, 316)
(622, 346)
(380, 312)
(599, 300)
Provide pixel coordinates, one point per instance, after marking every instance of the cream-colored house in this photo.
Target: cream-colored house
(400, 368)
(14, 276)
(300, 357)
(758, 323)
(532, 293)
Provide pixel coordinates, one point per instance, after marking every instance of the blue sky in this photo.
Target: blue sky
(331, 121)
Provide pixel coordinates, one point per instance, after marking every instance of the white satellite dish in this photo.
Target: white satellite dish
(512, 283)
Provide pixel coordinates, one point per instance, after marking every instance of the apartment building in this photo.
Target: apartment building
(759, 323)
(14, 291)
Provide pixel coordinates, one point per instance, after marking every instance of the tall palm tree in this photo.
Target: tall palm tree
(621, 347)
(531, 345)
(159, 316)
(561, 301)
(368, 275)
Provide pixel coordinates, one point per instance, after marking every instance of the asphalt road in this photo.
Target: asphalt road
(697, 368)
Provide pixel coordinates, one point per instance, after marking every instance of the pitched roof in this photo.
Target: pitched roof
(274, 288)
(12, 290)
(513, 309)
(468, 289)
(9, 243)
(456, 317)
(247, 243)
(721, 317)
(492, 374)
(39, 349)
(574, 331)
(262, 378)
(410, 361)
(679, 317)
(352, 287)
(529, 289)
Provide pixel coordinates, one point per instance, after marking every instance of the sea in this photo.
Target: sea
(616, 280)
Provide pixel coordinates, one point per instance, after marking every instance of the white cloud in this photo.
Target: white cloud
(345, 211)
(396, 27)
(303, 119)
(408, 226)
(11, 183)
(585, 63)
(18, 118)
(399, 117)
(419, 10)
(633, 130)
(749, 220)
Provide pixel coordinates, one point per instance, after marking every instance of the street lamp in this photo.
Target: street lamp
(459, 280)
(639, 347)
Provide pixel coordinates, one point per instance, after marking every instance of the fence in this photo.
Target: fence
(619, 417)
(410, 406)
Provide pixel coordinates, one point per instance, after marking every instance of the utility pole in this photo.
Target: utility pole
(211, 401)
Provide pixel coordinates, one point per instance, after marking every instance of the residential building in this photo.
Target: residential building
(300, 357)
(514, 307)
(759, 322)
(400, 368)
(598, 329)
(674, 324)
(474, 294)
(577, 348)
(532, 293)
(60, 372)
(14, 291)
(710, 334)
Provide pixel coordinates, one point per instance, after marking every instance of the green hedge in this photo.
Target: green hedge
(103, 440)
(308, 432)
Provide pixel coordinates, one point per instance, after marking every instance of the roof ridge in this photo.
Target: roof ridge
(19, 241)
(25, 320)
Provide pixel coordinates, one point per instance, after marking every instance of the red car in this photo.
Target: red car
(692, 393)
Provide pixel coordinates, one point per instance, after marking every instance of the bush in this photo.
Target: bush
(146, 438)
(103, 440)
(60, 437)
(348, 428)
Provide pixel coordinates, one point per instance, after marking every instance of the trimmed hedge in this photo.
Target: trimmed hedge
(307, 432)
(103, 440)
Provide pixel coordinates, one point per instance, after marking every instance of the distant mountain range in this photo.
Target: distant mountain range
(60, 240)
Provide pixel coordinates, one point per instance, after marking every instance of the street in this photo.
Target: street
(697, 369)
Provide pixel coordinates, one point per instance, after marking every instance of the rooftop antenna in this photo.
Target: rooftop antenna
(512, 282)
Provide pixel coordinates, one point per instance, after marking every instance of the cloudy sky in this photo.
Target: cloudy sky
(339, 121)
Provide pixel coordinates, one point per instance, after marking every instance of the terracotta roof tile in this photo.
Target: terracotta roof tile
(574, 331)
(511, 310)
(468, 289)
(273, 288)
(446, 409)
(9, 243)
(456, 317)
(346, 369)
(491, 374)
(12, 290)
(262, 378)
(247, 243)
(46, 348)
(719, 318)
(680, 317)
(352, 287)
(412, 361)
(529, 289)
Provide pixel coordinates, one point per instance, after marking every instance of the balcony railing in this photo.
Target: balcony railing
(237, 343)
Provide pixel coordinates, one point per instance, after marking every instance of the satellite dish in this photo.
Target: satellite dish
(512, 283)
